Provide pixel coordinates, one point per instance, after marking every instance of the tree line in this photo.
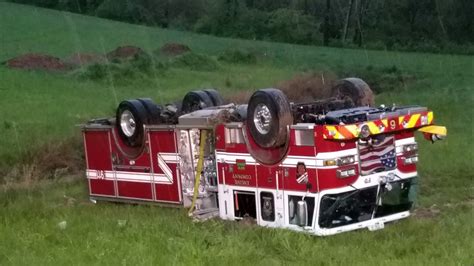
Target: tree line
(416, 25)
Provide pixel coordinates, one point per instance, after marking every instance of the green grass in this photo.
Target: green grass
(39, 107)
(164, 236)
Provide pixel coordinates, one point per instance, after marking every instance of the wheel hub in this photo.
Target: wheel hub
(262, 119)
(127, 123)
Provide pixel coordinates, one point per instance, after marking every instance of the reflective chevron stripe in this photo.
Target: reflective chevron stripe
(379, 126)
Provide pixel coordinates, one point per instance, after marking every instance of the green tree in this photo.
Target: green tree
(287, 25)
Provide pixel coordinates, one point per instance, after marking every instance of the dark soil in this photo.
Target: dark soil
(36, 61)
(308, 87)
(173, 49)
(125, 53)
(84, 59)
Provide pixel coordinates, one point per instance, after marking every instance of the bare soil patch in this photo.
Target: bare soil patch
(240, 97)
(427, 213)
(37, 61)
(125, 52)
(173, 49)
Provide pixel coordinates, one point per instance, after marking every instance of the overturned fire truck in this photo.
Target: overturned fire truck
(322, 167)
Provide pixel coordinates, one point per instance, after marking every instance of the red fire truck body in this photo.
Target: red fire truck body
(329, 178)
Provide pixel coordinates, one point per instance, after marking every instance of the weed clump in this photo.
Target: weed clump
(94, 72)
(195, 61)
(237, 56)
(140, 66)
(84, 59)
(51, 160)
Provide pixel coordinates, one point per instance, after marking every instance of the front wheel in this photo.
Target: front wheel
(268, 117)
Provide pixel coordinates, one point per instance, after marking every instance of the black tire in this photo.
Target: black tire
(153, 110)
(355, 89)
(131, 132)
(216, 98)
(195, 100)
(268, 117)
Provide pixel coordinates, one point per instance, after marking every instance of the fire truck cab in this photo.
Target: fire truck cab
(323, 167)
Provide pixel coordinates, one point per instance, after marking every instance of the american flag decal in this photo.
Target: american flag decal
(377, 155)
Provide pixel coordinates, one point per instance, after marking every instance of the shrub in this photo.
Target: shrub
(141, 62)
(116, 9)
(195, 61)
(123, 67)
(94, 72)
(41, 3)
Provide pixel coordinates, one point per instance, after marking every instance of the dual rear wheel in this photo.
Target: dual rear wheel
(132, 115)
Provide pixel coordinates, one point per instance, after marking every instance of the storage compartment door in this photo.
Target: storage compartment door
(166, 184)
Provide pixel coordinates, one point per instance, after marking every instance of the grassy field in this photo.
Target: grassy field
(39, 107)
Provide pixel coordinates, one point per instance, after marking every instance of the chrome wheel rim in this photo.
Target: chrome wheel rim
(262, 119)
(127, 123)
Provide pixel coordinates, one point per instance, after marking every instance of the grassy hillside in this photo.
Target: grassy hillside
(38, 107)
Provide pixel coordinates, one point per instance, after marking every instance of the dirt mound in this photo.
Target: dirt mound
(83, 59)
(309, 86)
(173, 49)
(125, 52)
(301, 88)
(35, 61)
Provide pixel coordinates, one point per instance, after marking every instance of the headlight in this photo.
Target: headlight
(340, 161)
(331, 162)
(410, 147)
(345, 160)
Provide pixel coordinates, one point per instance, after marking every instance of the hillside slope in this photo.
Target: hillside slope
(26, 28)
(40, 107)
